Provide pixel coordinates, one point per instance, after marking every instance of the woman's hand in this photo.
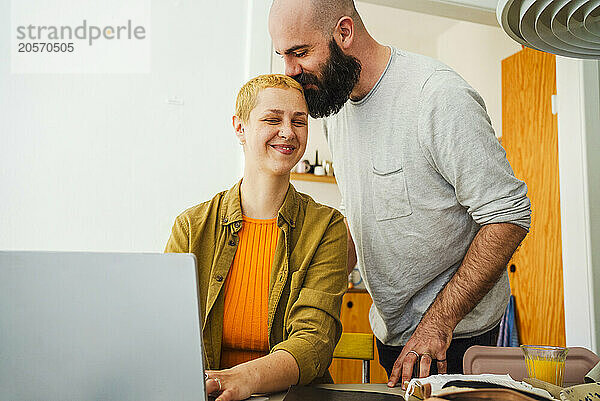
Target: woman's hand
(268, 374)
(228, 385)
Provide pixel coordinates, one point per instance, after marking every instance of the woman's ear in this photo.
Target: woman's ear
(238, 126)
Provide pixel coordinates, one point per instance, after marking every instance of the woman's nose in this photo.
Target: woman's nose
(286, 131)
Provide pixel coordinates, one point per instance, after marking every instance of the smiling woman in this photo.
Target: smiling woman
(271, 261)
(272, 124)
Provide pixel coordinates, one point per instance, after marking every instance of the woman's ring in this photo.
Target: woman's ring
(219, 382)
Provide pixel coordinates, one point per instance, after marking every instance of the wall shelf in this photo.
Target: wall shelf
(311, 177)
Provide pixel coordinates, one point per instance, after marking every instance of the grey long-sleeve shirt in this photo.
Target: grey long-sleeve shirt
(420, 171)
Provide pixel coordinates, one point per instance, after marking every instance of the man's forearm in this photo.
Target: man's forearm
(483, 265)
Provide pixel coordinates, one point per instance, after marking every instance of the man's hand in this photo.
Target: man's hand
(430, 341)
(481, 268)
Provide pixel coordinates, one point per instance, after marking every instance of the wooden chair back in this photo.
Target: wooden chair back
(357, 346)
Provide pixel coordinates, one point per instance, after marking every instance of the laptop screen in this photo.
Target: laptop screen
(99, 326)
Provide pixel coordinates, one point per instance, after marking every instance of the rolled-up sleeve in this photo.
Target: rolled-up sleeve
(313, 322)
(457, 137)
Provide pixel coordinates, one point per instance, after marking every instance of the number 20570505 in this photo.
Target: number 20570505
(39, 47)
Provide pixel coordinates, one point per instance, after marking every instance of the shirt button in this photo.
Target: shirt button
(236, 224)
(219, 278)
(231, 242)
(225, 220)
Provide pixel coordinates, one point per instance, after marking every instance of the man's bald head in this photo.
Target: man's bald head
(314, 38)
(321, 15)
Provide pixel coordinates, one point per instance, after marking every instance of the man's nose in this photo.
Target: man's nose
(292, 68)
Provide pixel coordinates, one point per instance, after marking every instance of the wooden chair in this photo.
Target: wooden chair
(357, 346)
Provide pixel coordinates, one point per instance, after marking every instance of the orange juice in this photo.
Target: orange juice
(546, 370)
(545, 363)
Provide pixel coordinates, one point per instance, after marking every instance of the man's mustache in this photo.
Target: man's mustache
(307, 79)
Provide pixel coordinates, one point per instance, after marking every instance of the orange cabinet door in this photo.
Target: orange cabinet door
(530, 138)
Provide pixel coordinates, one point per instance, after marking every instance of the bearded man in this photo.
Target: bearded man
(430, 200)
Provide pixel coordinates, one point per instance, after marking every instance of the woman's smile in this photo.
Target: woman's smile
(284, 149)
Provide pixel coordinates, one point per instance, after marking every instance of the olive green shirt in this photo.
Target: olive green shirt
(307, 282)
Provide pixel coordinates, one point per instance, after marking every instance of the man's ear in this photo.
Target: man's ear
(344, 32)
(238, 126)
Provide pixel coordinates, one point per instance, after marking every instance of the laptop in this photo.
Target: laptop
(99, 326)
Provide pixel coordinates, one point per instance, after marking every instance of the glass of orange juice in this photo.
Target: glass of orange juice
(545, 363)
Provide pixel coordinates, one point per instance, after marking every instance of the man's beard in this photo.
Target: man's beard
(339, 75)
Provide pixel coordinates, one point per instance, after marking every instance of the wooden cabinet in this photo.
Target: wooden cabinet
(355, 319)
(530, 137)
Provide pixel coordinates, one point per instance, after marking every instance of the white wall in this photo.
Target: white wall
(102, 162)
(478, 11)
(593, 160)
(578, 89)
(406, 30)
(475, 51)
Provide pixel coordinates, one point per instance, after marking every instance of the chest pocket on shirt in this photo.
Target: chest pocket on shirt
(390, 194)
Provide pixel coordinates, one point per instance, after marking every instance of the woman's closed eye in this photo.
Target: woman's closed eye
(272, 121)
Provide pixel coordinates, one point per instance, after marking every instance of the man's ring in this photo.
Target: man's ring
(219, 382)
(414, 352)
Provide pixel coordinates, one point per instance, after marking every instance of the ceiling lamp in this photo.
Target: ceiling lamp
(569, 28)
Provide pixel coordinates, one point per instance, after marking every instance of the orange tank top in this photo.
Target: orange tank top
(246, 293)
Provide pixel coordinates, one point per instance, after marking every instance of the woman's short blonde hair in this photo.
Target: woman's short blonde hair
(246, 98)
